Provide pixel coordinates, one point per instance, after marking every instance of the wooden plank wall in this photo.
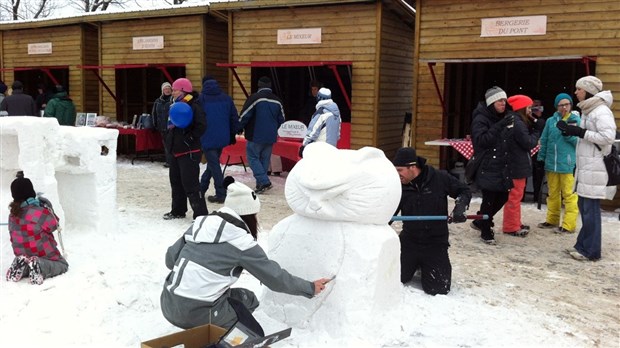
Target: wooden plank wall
(90, 86)
(66, 51)
(180, 46)
(350, 38)
(216, 50)
(450, 29)
(396, 81)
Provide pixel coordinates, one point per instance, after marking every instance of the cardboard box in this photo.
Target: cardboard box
(239, 336)
(197, 337)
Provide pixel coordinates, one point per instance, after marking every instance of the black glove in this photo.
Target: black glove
(458, 213)
(539, 124)
(508, 120)
(301, 151)
(569, 130)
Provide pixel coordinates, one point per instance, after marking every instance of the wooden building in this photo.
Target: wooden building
(362, 51)
(49, 54)
(115, 63)
(537, 48)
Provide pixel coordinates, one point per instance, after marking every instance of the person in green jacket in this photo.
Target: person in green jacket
(61, 107)
(558, 154)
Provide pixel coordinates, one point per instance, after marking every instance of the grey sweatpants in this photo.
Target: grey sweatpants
(50, 268)
(223, 314)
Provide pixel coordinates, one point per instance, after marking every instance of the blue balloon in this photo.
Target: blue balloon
(181, 114)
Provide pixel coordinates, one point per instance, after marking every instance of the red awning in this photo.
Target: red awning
(45, 69)
(432, 62)
(95, 68)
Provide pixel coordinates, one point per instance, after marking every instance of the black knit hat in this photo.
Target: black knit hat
(264, 82)
(17, 85)
(3, 87)
(405, 156)
(21, 189)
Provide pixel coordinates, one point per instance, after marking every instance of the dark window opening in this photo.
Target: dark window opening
(466, 83)
(137, 89)
(292, 85)
(35, 78)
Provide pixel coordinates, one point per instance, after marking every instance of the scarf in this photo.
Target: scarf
(590, 104)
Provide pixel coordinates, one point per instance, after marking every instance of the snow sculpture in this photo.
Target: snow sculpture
(75, 168)
(343, 201)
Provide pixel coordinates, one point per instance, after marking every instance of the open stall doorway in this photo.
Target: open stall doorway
(137, 88)
(45, 77)
(292, 85)
(466, 83)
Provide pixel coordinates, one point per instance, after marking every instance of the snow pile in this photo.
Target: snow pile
(75, 168)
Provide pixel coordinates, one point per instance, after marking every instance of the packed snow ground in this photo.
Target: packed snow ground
(522, 292)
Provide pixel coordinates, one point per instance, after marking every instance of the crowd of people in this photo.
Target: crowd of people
(54, 103)
(572, 147)
(209, 257)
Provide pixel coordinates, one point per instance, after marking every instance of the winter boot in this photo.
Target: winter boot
(171, 216)
(35, 271)
(16, 270)
(198, 204)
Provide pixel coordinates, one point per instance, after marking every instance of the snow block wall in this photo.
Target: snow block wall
(73, 167)
(343, 201)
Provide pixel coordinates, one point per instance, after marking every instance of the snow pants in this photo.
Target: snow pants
(434, 265)
(184, 176)
(561, 192)
(512, 208)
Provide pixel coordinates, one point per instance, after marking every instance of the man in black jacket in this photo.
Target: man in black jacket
(424, 243)
(19, 103)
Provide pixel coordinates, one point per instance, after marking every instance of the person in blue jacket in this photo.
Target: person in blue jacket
(557, 152)
(222, 125)
(261, 116)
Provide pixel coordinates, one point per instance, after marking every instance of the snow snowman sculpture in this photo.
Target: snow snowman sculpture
(342, 202)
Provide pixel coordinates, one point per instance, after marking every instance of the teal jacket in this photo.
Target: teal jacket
(61, 107)
(556, 150)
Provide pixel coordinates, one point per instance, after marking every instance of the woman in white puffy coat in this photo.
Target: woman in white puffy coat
(597, 128)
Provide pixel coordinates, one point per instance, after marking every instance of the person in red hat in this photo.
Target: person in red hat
(525, 134)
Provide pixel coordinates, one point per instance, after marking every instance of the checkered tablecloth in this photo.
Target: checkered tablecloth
(465, 147)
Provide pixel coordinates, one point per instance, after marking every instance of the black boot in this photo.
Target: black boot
(198, 204)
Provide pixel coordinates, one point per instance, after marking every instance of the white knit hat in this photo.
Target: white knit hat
(242, 199)
(590, 84)
(164, 85)
(324, 93)
(494, 94)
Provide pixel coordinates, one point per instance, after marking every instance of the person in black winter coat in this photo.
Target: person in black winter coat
(183, 146)
(18, 103)
(160, 114)
(424, 243)
(523, 137)
(490, 131)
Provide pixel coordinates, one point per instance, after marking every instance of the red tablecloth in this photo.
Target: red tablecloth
(145, 139)
(283, 148)
(465, 147)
